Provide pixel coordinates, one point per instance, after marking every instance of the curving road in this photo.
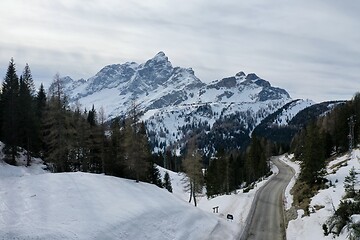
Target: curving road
(266, 218)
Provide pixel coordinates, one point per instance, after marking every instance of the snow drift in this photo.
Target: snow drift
(38, 205)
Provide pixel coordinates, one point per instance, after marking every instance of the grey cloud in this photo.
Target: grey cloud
(301, 46)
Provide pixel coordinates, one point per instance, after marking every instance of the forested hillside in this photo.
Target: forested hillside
(322, 140)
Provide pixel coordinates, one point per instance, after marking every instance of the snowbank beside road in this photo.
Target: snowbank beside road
(237, 204)
(288, 159)
(310, 227)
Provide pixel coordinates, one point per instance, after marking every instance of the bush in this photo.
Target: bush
(325, 228)
(342, 216)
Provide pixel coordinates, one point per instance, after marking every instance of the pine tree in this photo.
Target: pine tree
(230, 172)
(144, 157)
(239, 171)
(10, 116)
(256, 164)
(214, 178)
(217, 175)
(95, 140)
(114, 163)
(79, 142)
(40, 101)
(103, 130)
(28, 80)
(28, 129)
(55, 127)
(137, 153)
(91, 118)
(167, 182)
(313, 158)
(155, 176)
(350, 182)
(40, 106)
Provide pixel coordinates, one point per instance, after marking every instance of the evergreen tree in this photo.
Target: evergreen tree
(155, 176)
(136, 147)
(55, 127)
(10, 116)
(114, 164)
(214, 177)
(95, 140)
(91, 118)
(217, 175)
(28, 129)
(239, 171)
(79, 151)
(144, 157)
(167, 182)
(256, 163)
(313, 158)
(40, 106)
(230, 172)
(28, 80)
(350, 182)
(103, 139)
(40, 101)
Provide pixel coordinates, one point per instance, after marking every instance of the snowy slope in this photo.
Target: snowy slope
(290, 110)
(36, 204)
(170, 125)
(89, 206)
(310, 227)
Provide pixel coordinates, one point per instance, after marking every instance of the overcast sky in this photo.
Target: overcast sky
(309, 47)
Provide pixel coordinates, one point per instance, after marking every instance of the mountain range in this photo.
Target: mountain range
(175, 104)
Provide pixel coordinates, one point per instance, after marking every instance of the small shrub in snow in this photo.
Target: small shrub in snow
(325, 228)
(167, 182)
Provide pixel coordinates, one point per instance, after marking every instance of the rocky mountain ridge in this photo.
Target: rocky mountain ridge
(175, 103)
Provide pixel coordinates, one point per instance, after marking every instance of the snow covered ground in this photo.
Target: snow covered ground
(90, 206)
(238, 204)
(36, 204)
(289, 160)
(310, 227)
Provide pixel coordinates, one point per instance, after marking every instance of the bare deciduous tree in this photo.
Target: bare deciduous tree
(193, 169)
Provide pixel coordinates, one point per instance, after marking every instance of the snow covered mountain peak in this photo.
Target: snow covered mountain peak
(252, 76)
(160, 57)
(250, 88)
(173, 98)
(153, 84)
(240, 74)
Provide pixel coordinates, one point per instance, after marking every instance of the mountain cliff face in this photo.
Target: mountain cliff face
(176, 104)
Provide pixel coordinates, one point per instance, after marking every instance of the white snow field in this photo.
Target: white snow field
(88, 206)
(36, 204)
(310, 227)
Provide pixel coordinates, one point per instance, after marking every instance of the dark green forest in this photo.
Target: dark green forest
(327, 136)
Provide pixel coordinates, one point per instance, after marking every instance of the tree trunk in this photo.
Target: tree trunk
(191, 192)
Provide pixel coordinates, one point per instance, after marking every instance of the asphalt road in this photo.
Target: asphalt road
(266, 219)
